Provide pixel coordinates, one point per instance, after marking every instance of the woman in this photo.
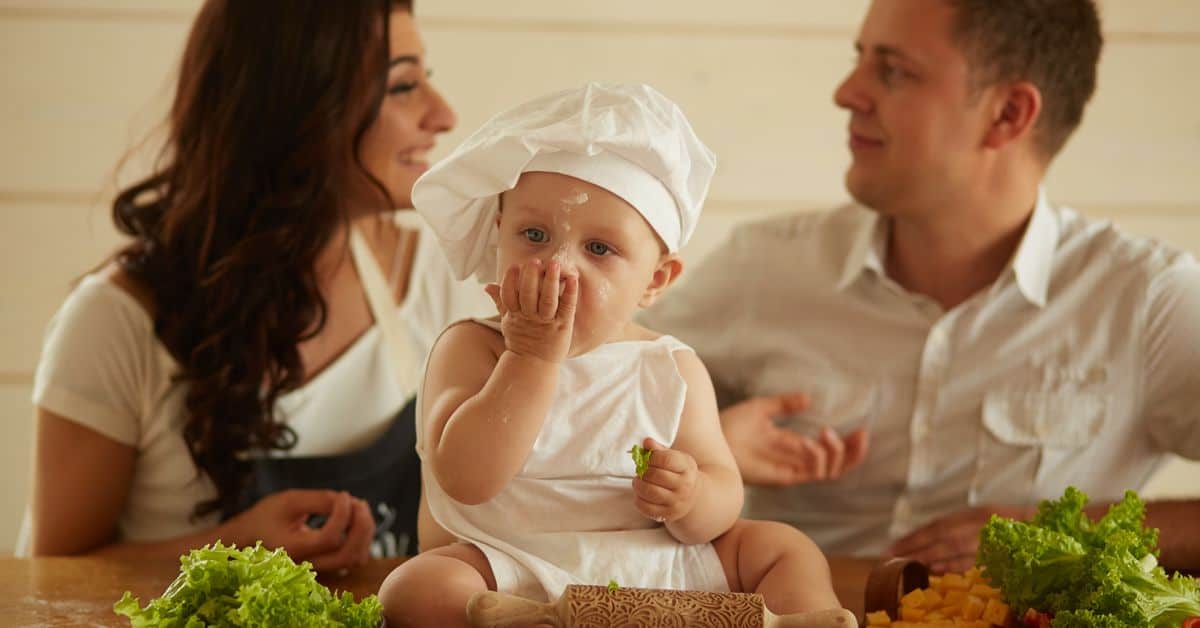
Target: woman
(248, 338)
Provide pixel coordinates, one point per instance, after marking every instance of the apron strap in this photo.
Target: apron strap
(396, 341)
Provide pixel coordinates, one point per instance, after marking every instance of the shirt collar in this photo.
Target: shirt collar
(1031, 265)
(867, 246)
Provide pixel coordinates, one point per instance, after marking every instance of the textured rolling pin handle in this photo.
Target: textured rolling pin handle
(832, 618)
(889, 581)
(498, 610)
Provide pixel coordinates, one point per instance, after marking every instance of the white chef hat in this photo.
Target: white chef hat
(626, 138)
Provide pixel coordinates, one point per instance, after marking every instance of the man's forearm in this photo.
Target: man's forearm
(1178, 524)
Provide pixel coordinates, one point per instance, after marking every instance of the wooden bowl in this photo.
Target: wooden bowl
(890, 580)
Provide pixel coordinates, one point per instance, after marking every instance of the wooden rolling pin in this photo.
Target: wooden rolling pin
(595, 607)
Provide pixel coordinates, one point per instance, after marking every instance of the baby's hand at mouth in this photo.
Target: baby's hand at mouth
(537, 309)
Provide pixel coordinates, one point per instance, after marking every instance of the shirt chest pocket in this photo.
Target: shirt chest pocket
(1030, 436)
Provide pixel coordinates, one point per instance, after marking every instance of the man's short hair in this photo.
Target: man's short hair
(1054, 44)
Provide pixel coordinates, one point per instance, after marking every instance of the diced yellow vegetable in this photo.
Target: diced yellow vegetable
(965, 600)
(996, 612)
(985, 591)
(914, 598)
(955, 598)
(955, 581)
(973, 609)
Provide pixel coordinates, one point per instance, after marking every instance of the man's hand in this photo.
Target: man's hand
(537, 309)
(771, 455)
(948, 544)
(667, 492)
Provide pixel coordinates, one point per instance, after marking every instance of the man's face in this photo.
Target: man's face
(915, 127)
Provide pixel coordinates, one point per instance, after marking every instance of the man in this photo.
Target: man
(995, 348)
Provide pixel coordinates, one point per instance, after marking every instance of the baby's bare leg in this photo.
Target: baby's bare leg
(779, 562)
(432, 588)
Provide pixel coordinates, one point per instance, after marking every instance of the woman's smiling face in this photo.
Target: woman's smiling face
(396, 146)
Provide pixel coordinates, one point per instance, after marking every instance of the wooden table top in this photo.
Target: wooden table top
(81, 591)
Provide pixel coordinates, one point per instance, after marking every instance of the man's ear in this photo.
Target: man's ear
(1015, 113)
(668, 270)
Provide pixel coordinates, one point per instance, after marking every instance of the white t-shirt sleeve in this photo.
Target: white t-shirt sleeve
(1171, 374)
(95, 361)
(437, 298)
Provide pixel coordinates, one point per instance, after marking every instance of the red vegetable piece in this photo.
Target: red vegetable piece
(1034, 619)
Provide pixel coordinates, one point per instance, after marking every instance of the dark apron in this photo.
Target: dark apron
(386, 474)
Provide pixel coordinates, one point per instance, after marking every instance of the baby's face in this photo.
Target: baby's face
(593, 234)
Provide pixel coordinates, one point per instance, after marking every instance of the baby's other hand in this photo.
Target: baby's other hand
(537, 309)
(667, 492)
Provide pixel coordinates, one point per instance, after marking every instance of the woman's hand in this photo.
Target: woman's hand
(667, 491)
(537, 309)
(281, 520)
(774, 456)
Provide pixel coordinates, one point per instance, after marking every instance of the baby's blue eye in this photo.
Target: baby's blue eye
(536, 236)
(597, 248)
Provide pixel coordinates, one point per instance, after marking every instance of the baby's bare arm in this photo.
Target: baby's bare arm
(719, 491)
(489, 394)
(486, 407)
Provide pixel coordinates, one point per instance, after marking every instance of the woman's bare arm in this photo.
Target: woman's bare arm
(82, 480)
(80, 483)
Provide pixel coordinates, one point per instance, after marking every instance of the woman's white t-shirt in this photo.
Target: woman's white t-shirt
(103, 367)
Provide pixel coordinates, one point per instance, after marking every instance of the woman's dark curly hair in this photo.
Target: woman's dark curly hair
(273, 98)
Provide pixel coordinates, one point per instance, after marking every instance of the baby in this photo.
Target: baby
(577, 204)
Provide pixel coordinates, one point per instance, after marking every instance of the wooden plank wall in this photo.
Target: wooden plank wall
(84, 80)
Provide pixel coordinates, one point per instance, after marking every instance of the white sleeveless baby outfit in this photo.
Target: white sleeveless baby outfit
(568, 516)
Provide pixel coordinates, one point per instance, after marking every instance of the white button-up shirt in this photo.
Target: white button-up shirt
(1079, 366)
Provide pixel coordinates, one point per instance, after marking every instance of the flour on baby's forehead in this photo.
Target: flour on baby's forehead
(577, 197)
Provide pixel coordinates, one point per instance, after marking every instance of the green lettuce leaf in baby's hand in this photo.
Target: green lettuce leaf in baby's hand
(221, 585)
(641, 459)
